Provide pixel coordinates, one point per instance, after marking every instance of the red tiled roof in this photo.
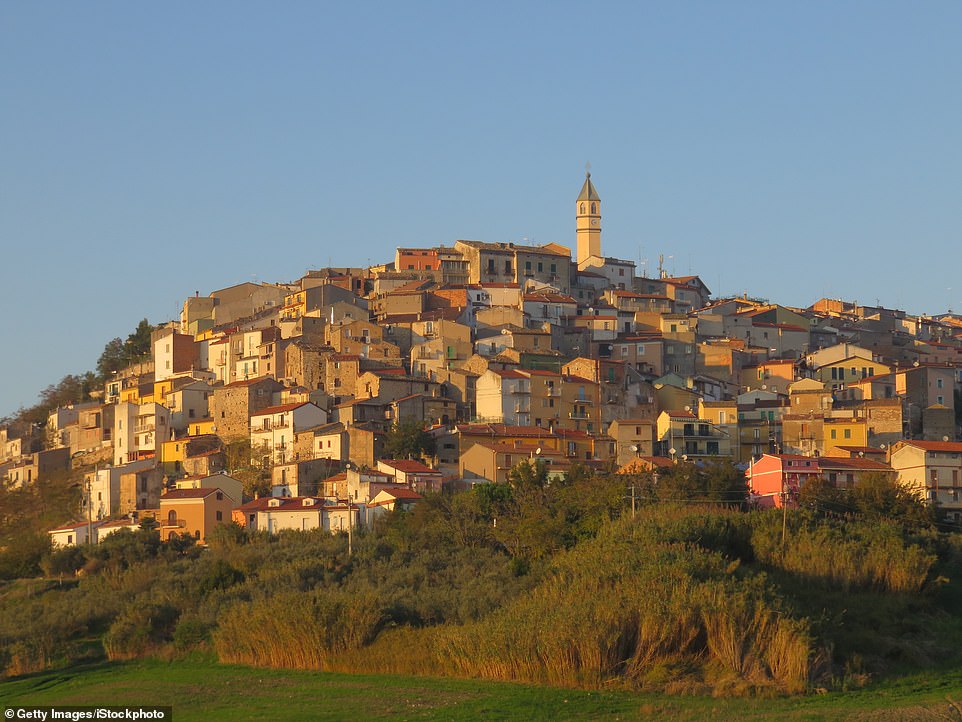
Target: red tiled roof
(945, 446)
(279, 409)
(409, 466)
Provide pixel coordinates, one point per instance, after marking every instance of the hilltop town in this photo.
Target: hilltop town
(351, 392)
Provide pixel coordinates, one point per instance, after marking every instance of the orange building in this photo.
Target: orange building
(194, 512)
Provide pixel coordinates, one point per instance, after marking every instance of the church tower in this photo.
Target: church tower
(588, 214)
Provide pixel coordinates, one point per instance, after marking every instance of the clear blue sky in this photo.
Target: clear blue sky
(150, 150)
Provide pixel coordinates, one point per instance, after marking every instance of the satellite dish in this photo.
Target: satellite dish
(538, 450)
(633, 448)
(945, 438)
(684, 457)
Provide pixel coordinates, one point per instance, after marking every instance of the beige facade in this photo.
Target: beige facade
(274, 429)
(931, 469)
(633, 438)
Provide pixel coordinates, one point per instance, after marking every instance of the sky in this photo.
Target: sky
(148, 151)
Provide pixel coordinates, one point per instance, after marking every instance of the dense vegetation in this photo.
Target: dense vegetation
(536, 580)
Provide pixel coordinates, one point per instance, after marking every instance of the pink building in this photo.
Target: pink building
(773, 478)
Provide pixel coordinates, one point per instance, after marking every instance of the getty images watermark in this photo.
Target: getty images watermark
(75, 714)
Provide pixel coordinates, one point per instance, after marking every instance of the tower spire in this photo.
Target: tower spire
(588, 217)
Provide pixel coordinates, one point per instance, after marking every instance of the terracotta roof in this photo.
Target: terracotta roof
(508, 374)
(279, 409)
(409, 466)
(944, 446)
(402, 493)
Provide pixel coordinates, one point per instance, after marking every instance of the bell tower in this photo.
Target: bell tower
(588, 215)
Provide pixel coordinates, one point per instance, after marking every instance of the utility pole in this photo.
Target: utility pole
(632, 501)
(784, 513)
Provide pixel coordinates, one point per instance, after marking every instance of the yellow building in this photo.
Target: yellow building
(588, 215)
(843, 432)
(849, 370)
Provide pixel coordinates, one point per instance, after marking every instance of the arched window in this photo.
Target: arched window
(172, 518)
(582, 209)
(594, 208)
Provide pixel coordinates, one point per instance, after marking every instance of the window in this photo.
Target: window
(621, 271)
(220, 516)
(540, 267)
(527, 266)
(507, 267)
(554, 268)
(938, 384)
(834, 433)
(847, 434)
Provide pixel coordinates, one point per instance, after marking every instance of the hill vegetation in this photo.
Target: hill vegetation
(535, 580)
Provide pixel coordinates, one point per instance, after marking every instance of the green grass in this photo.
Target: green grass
(208, 691)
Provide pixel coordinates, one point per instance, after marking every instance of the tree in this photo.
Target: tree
(118, 354)
(251, 467)
(408, 440)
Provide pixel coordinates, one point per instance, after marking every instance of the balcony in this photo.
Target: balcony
(579, 415)
(143, 428)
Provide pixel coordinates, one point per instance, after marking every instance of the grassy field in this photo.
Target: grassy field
(207, 691)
